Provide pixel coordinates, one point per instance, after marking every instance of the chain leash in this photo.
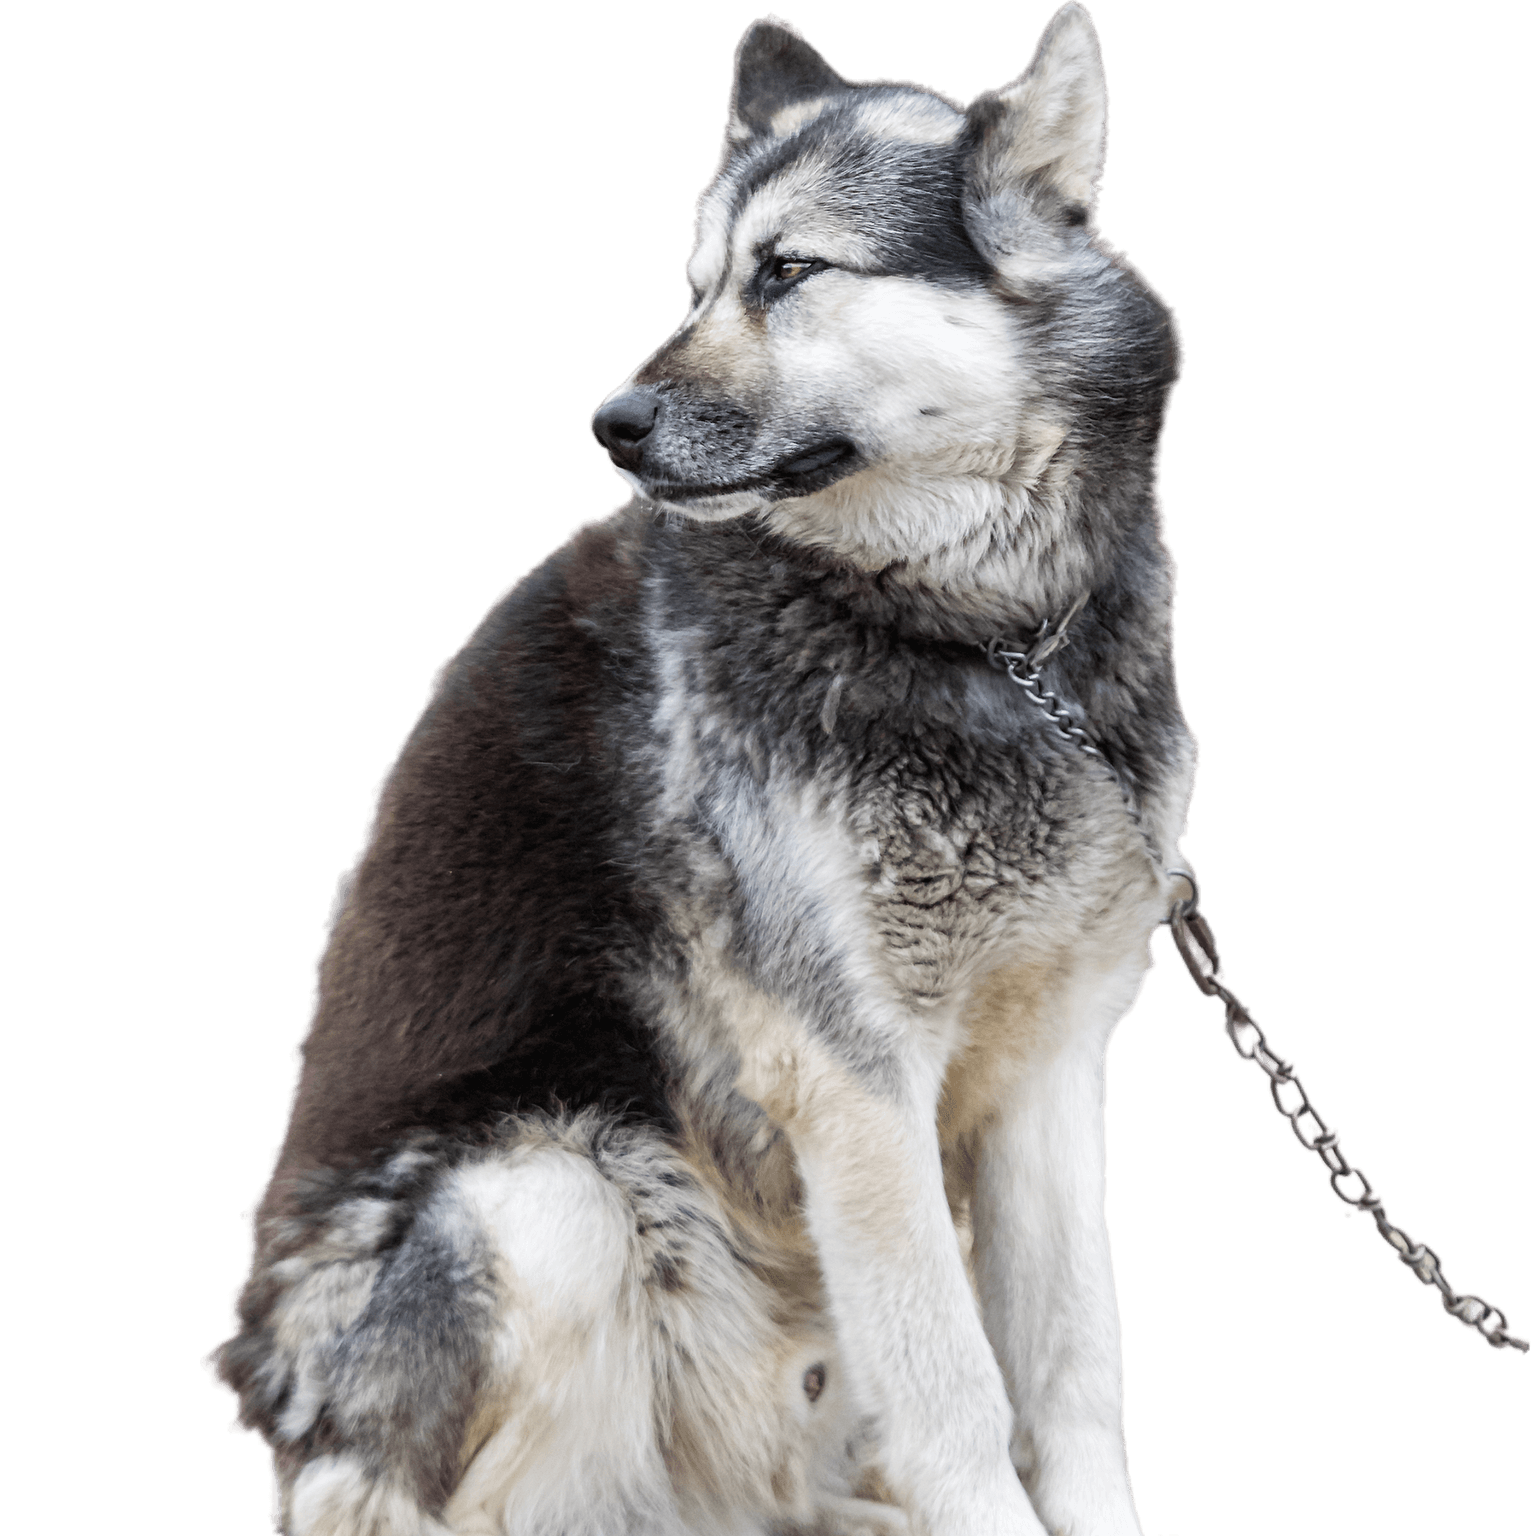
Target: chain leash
(1197, 947)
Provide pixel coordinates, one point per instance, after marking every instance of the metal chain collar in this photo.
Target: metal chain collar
(1197, 946)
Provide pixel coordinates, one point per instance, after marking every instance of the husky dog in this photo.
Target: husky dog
(701, 1128)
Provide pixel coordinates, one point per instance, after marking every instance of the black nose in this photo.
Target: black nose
(623, 424)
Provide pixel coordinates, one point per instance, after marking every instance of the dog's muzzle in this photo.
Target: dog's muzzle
(650, 435)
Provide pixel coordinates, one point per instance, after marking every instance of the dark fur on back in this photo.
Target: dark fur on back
(469, 973)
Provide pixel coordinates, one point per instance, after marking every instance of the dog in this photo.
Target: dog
(701, 1127)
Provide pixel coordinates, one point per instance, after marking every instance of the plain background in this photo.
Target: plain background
(305, 311)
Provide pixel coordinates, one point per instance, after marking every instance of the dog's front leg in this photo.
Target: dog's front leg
(909, 1333)
(1043, 1269)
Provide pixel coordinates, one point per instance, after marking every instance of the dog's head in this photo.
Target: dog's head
(902, 326)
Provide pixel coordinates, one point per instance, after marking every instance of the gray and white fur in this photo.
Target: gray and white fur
(701, 1127)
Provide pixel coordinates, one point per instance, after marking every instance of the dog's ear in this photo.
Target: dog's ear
(775, 69)
(1039, 143)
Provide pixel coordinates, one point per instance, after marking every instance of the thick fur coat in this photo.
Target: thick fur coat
(700, 1130)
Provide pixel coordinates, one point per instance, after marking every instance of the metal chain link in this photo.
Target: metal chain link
(1197, 946)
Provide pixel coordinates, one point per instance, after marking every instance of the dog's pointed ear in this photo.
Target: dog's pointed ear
(1039, 143)
(775, 69)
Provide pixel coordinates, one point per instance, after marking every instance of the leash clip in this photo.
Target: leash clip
(1046, 646)
(1193, 937)
(1053, 634)
(1049, 639)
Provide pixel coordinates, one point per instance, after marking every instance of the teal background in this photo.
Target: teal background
(305, 311)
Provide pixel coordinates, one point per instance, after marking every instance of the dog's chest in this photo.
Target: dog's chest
(908, 867)
(956, 848)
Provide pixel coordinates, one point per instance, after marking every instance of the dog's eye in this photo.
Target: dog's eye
(787, 269)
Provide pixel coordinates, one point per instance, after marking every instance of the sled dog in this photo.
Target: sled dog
(701, 1127)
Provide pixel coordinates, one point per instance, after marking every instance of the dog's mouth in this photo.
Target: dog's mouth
(806, 471)
(814, 463)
